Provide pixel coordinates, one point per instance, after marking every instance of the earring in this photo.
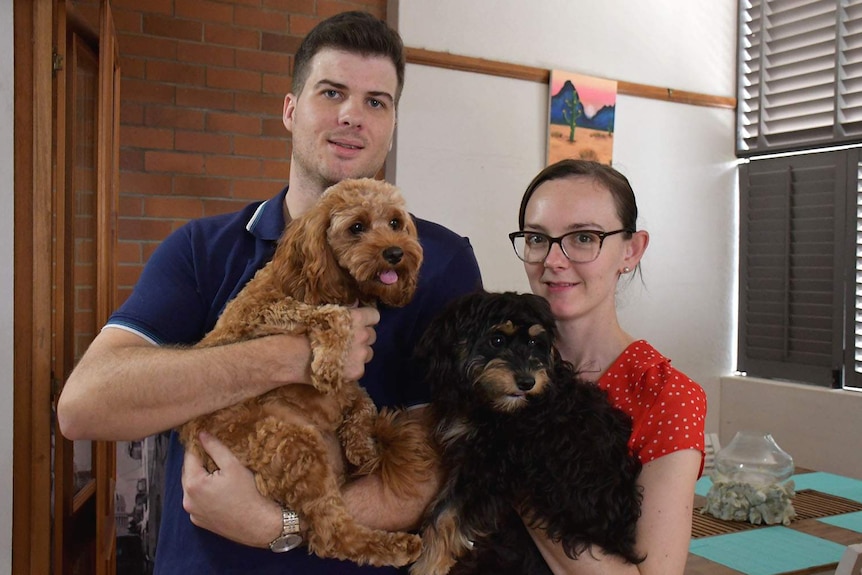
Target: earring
(626, 270)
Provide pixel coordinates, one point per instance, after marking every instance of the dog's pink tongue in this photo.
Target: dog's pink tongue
(389, 277)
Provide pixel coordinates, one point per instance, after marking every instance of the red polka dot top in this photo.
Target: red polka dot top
(667, 408)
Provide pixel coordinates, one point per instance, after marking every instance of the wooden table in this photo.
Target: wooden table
(698, 565)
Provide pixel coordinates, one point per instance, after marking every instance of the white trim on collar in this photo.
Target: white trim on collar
(255, 217)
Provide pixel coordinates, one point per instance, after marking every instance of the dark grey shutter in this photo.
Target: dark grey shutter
(791, 273)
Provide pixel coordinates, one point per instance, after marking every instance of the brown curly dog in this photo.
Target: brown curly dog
(357, 244)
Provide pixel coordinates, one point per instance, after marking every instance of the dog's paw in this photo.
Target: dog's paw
(408, 546)
(443, 541)
(366, 546)
(396, 549)
(357, 432)
(329, 333)
(426, 565)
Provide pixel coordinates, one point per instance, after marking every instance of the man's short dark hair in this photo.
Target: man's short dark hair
(356, 32)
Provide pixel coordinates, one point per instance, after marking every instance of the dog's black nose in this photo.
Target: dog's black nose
(525, 382)
(393, 254)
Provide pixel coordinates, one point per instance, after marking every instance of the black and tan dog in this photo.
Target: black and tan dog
(518, 430)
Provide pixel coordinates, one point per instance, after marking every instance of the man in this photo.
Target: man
(137, 379)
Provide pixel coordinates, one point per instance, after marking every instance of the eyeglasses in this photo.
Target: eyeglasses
(582, 246)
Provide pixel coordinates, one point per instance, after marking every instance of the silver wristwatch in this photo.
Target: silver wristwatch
(290, 537)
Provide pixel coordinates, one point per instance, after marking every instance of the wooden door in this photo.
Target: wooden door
(66, 175)
(83, 238)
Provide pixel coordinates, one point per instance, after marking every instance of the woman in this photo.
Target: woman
(577, 238)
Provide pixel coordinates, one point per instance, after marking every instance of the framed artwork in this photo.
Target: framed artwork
(581, 117)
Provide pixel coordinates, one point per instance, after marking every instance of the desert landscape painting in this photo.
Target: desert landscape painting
(581, 117)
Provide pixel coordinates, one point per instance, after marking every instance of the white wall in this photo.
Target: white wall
(6, 281)
(819, 427)
(468, 145)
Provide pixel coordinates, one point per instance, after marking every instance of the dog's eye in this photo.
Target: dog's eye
(497, 341)
(395, 224)
(357, 228)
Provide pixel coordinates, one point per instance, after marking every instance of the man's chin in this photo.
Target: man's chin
(335, 176)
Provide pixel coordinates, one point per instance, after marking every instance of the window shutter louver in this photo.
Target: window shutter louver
(790, 284)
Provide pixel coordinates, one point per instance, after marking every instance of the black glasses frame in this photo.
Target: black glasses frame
(559, 241)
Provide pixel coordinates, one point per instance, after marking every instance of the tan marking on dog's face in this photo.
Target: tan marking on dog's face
(507, 327)
(536, 330)
(369, 227)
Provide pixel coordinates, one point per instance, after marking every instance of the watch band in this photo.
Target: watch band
(290, 537)
(289, 521)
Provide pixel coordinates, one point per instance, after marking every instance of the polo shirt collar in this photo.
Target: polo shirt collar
(267, 222)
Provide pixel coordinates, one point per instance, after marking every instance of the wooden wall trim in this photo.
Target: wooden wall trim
(449, 61)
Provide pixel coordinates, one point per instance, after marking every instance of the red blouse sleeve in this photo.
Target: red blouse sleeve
(674, 420)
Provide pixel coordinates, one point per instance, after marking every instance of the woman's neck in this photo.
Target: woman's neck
(591, 346)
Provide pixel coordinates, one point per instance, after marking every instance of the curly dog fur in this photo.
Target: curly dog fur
(519, 431)
(359, 244)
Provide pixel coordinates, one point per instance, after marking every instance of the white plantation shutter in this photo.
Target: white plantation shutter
(800, 77)
(748, 77)
(850, 80)
(854, 369)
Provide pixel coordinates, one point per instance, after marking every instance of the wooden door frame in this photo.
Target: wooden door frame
(31, 484)
(34, 199)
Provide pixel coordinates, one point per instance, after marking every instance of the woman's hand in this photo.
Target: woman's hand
(227, 502)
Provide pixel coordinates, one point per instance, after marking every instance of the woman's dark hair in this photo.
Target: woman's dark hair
(606, 176)
(356, 32)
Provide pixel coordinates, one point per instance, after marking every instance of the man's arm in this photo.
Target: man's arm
(125, 388)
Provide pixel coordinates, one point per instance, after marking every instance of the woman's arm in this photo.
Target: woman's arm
(663, 530)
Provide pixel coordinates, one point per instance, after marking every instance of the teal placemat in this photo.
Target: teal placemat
(702, 486)
(851, 521)
(839, 485)
(767, 551)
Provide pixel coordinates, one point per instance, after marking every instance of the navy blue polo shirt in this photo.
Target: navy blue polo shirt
(181, 292)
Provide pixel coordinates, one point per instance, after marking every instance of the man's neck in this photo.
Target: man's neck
(301, 196)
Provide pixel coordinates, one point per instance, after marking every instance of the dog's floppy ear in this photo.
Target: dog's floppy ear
(540, 310)
(442, 352)
(306, 266)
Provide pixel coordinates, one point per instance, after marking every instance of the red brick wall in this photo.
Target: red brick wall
(203, 84)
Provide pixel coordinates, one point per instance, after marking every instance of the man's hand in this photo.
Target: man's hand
(227, 502)
(364, 336)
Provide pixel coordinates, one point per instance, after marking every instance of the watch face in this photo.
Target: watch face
(286, 543)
